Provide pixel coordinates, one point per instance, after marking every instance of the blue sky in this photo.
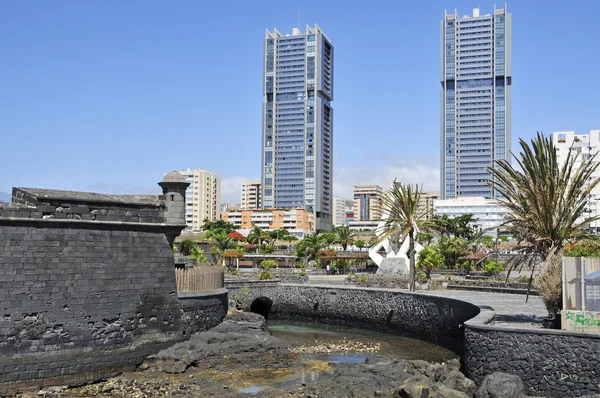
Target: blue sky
(108, 95)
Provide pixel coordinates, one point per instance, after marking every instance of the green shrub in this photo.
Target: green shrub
(362, 278)
(351, 274)
(421, 276)
(302, 265)
(302, 273)
(266, 264)
(493, 267)
(234, 272)
(523, 279)
(264, 275)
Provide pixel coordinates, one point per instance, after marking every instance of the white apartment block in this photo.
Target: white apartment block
(489, 213)
(339, 211)
(251, 199)
(202, 198)
(584, 146)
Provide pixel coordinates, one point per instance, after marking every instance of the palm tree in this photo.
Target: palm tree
(345, 236)
(256, 236)
(221, 242)
(546, 201)
(401, 207)
(313, 243)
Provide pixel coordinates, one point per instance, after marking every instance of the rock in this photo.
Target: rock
(442, 391)
(415, 387)
(457, 381)
(501, 385)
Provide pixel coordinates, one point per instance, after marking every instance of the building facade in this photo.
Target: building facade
(426, 204)
(251, 195)
(584, 146)
(297, 222)
(368, 202)
(488, 212)
(476, 78)
(297, 156)
(339, 211)
(202, 197)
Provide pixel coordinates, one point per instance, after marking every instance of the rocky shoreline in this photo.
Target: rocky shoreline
(239, 358)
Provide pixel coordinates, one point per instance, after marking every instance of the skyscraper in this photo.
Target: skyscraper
(297, 170)
(476, 100)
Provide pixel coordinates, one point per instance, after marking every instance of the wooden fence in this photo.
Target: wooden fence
(198, 279)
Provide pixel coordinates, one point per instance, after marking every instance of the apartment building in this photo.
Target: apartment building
(368, 202)
(297, 222)
(488, 212)
(251, 195)
(584, 146)
(426, 203)
(202, 197)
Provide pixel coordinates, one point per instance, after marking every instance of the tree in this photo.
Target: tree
(546, 202)
(430, 259)
(401, 220)
(217, 227)
(329, 237)
(187, 246)
(345, 236)
(458, 227)
(452, 249)
(257, 236)
(360, 244)
(220, 244)
(310, 245)
(275, 235)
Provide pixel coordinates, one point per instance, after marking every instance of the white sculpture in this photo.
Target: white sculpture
(395, 261)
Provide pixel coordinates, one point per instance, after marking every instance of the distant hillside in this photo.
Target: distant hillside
(5, 197)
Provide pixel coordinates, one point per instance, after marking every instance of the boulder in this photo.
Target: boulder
(457, 381)
(501, 385)
(415, 387)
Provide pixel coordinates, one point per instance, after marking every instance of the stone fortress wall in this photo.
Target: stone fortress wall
(87, 283)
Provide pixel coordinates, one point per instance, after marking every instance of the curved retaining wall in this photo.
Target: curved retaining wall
(551, 363)
(432, 318)
(201, 311)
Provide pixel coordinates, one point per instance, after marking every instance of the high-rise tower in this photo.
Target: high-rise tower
(476, 100)
(297, 167)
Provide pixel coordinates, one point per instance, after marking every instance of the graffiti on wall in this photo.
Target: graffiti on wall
(579, 321)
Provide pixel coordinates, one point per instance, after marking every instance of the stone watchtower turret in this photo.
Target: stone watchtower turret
(174, 186)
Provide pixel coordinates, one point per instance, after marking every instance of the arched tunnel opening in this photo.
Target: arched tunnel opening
(262, 306)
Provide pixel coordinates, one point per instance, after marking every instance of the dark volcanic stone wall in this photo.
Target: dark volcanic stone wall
(435, 319)
(550, 363)
(82, 299)
(203, 310)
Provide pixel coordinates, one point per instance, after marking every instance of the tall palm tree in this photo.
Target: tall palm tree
(345, 236)
(401, 207)
(546, 201)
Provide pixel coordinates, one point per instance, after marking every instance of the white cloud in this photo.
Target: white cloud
(345, 178)
(231, 189)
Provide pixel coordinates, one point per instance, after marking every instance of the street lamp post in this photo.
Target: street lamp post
(497, 238)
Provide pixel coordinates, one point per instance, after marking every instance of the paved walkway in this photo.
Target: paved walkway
(506, 306)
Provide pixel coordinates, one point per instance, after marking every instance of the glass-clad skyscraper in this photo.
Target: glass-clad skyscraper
(476, 100)
(298, 123)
